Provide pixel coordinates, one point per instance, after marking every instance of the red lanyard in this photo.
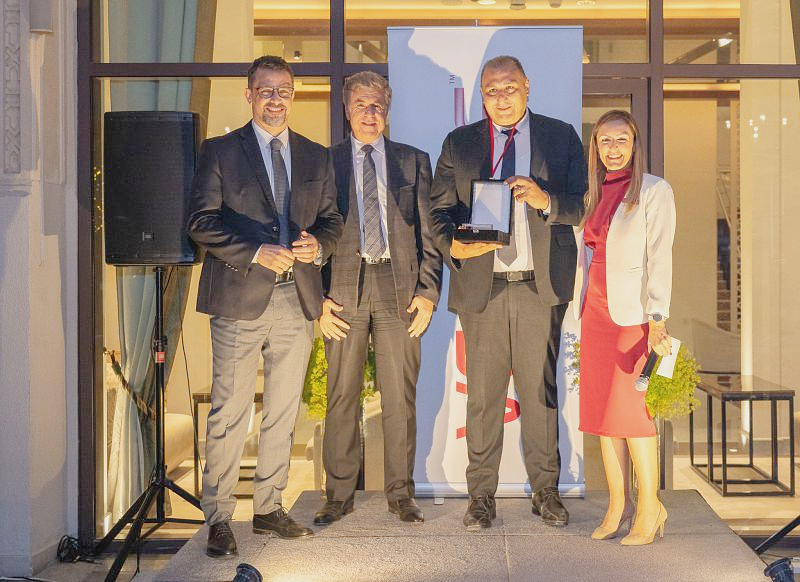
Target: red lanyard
(505, 149)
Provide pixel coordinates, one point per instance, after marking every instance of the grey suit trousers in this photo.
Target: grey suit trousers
(283, 336)
(519, 333)
(397, 357)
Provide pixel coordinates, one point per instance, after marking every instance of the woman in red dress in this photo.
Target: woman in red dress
(627, 254)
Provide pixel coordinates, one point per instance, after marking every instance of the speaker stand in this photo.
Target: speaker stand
(159, 484)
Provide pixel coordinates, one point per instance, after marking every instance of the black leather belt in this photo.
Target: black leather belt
(383, 261)
(513, 276)
(285, 277)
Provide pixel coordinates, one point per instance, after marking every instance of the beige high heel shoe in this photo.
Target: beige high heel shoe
(600, 533)
(658, 527)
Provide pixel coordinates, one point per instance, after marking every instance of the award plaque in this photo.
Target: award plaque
(490, 218)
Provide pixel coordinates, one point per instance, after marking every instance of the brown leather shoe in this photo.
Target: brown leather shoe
(279, 523)
(547, 503)
(221, 543)
(480, 513)
(333, 511)
(407, 509)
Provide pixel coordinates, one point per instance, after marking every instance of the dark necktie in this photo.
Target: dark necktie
(509, 252)
(280, 190)
(374, 243)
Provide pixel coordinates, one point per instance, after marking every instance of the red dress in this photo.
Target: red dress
(612, 356)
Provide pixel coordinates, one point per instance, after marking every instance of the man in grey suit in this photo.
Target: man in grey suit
(385, 277)
(264, 208)
(512, 298)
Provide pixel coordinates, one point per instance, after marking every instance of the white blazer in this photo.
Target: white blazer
(638, 257)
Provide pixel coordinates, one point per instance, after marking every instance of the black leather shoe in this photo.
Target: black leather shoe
(333, 511)
(407, 509)
(547, 503)
(480, 513)
(221, 543)
(279, 523)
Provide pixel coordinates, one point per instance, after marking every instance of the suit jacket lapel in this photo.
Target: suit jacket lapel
(483, 152)
(298, 153)
(394, 181)
(346, 189)
(537, 154)
(252, 152)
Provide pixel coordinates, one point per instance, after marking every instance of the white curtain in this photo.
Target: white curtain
(144, 31)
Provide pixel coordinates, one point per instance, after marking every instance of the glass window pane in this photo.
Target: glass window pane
(734, 31)
(730, 155)
(203, 31)
(612, 33)
(125, 437)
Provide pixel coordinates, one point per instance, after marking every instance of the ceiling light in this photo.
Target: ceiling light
(586, 2)
(485, 2)
(517, 5)
(555, 3)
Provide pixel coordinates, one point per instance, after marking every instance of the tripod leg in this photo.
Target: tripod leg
(776, 537)
(177, 489)
(101, 545)
(133, 534)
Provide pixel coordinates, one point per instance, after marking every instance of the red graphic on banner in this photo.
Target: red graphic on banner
(512, 406)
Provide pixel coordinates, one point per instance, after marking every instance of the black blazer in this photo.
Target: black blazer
(232, 212)
(557, 165)
(416, 263)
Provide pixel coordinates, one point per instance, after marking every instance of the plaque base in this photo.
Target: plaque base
(467, 233)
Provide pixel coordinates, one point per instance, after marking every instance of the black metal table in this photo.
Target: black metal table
(750, 389)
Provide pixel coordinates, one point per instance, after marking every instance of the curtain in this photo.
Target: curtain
(145, 31)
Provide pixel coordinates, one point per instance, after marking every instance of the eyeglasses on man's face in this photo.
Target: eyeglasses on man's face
(267, 92)
(497, 91)
(375, 108)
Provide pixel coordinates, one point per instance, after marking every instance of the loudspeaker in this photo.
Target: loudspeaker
(150, 159)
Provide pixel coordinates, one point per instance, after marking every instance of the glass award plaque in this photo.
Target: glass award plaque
(490, 218)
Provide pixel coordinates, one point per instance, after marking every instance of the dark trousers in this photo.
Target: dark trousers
(397, 359)
(517, 333)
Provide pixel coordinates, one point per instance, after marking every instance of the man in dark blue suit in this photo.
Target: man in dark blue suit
(512, 298)
(264, 209)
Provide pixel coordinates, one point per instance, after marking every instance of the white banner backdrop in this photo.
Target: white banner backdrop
(434, 77)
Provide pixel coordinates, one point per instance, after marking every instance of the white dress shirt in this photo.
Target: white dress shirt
(522, 167)
(379, 157)
(264, 139)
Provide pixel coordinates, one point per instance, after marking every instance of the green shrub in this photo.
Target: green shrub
(669, 398)
(315, 389)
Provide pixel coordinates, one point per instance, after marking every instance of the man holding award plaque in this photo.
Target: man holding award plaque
(506, 193)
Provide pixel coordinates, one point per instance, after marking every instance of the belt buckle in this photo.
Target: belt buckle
(514, 276)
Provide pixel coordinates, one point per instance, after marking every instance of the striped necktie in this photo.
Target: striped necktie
(280, 190)
(374, 243)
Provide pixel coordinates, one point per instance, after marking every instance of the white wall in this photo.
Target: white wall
(38, 432)
(690, 163)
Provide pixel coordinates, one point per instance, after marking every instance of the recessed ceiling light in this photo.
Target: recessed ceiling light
(485, 2)
(586, 2)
